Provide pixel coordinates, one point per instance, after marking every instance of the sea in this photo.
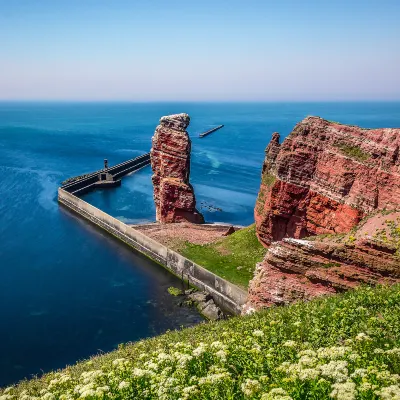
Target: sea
(68, 290)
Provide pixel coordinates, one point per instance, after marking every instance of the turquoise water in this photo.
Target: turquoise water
(67, 290)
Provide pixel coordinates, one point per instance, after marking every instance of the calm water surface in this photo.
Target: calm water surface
(67, 290)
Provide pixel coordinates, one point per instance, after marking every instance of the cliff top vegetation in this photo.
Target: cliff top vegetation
(340, 347)
(233, 257)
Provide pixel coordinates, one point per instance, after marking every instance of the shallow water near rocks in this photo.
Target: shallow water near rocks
(68, 290)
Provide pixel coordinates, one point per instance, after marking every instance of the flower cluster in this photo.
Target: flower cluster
(322, 350)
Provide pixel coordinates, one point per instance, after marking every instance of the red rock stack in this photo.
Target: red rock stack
(170, 161)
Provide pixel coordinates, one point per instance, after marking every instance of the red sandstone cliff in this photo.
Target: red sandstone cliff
(322, 180)
(298, 269)
(170, 161)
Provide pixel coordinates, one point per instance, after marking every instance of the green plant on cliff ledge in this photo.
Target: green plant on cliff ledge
(342, 347)
(268, 179)
(352, 151)
(234, 257)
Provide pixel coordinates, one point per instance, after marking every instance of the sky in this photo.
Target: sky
(208, 50)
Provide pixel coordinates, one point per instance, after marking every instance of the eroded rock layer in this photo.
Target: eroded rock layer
(342, 184)
(297, 269)
(170, 160)
(324, 178)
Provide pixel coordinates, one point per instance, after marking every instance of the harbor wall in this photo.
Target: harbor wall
(225, 294)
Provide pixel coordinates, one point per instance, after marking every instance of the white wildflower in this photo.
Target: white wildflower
(307, 361)
(359, 373)
(395, 351)
(336, 370)
(333, 353)
(308, 374)
(218, 345)
(289, 343)
(362, 336)
(48, 396)
(190, 391)
(250, 387)
(308, 352)
(123, 385)
(201, 349)
(258, 333)
(139, 373)
(389, 393)
(6, 397)
(276, 394)
(344, 391)
(221, 354)
(214, 378)
(366, 386)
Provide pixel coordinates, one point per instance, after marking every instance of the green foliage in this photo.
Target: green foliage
(268, 179)
(352, 151)
(174, 291)
(331, 265)
(390, 235)
(234, 257)
(340, 347)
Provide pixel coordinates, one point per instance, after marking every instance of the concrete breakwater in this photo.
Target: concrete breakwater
(225, 294)
(210, 131)
(91, 181)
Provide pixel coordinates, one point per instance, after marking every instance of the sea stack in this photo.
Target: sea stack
(170, 160)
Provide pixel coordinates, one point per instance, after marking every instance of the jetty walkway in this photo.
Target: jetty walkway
(210, 131)
(107, 177)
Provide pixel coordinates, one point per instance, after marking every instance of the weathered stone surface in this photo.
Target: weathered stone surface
(211, 311)
(297, 269)
(324, 178)
(170, 161)
(200, 297)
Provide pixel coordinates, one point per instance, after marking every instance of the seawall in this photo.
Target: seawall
(225, 294)
(88, 183)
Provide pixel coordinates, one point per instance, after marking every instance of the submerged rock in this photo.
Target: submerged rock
(170, 160)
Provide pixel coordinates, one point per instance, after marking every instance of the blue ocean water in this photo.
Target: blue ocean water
(67, 290)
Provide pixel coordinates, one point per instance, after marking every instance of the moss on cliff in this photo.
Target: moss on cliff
(352, 151)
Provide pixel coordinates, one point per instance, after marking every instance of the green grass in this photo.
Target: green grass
(233, 257)
(353, 152)
(341, 347)
(268, 179)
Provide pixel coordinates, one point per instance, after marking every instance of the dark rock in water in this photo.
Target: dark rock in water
(205, 304)
(211, 311)
(200, 297)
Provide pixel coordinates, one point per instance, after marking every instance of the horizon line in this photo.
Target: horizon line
(196, 101)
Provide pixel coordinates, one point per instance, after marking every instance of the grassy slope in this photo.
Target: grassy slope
(331, 346)
(233, 257)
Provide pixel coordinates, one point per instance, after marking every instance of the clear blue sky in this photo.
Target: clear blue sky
(200, 50)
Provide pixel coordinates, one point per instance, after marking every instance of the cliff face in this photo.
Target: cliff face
(170, 161)
(324, 178)
(296, 269)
